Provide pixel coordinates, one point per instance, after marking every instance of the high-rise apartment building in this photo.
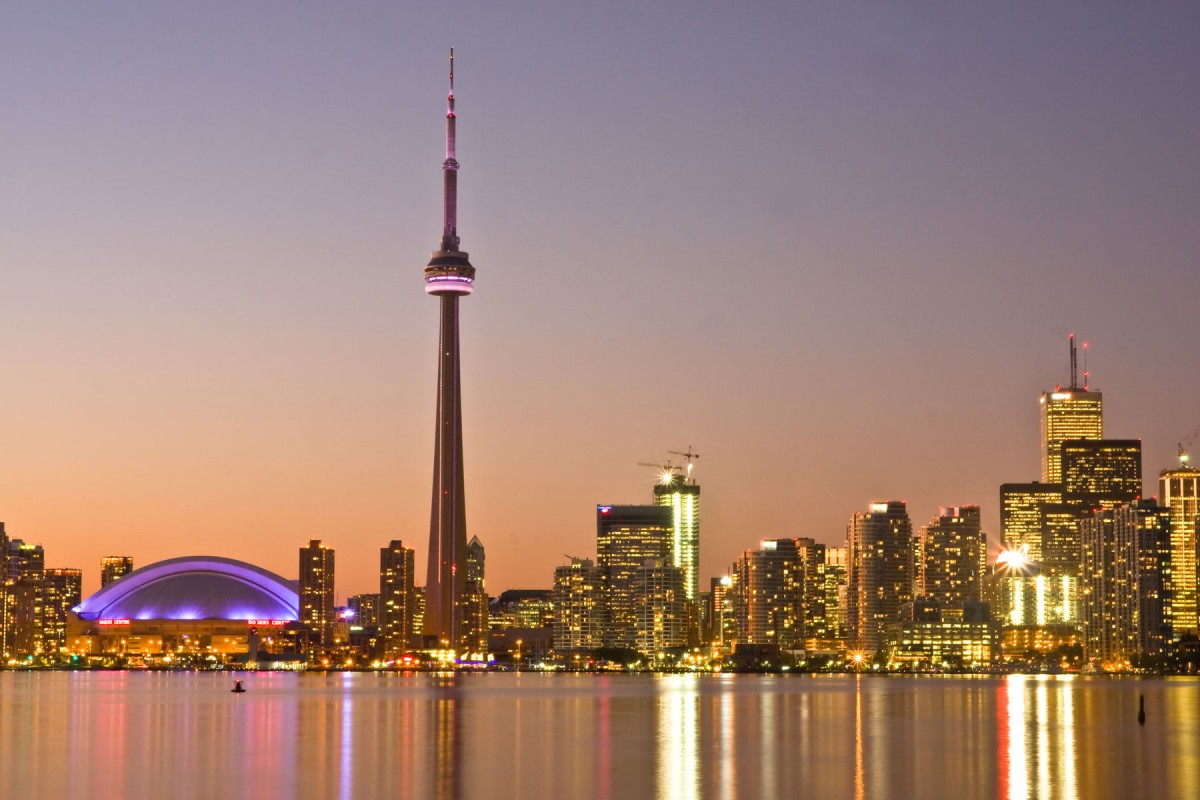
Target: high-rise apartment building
(661, 616)
(1125, 598)
(951, 558)
(396, 570)
(780, 594)
(1101, 473)
(579, 617)
(6, 598)
(62, 590)
(113, 567)
(316, 593)
(25, 598)
(682, 496)
(626, 537)
(879, 580)
(1179, 493)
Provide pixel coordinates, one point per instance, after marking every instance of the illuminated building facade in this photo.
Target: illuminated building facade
(5, 598)
(626, 537)
(579, 618)
(836, 573)
(661, 616)
(364, 610)
(1023, 515)
(448, 276)
(879, 579)
(113, 567)
(683, 498)
(521, 608)
(1126, 599)
(396, 571)
(1179, 493)
(938, 640)
(316, 593)
(1101, 473)
(24, 599)
(62, 590)
(1030, 597)
(951, 557)
(474, 629)
(779, 594)
(1068, 414)
(722, 624)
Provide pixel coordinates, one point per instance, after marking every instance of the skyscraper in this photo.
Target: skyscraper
(1101, 473)
(316, 593)
(396, 601)
(62, 590)
(448, 276)
(626, 537)
(113, 567)
(951, 557)
(879, 556)
(1179, 492)
(1023, 515)
(473, 633)
(1071, 413)
(682, 496)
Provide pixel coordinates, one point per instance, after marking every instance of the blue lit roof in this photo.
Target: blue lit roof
(195, 587)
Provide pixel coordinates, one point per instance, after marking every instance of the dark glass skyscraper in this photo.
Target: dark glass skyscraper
(448, 276)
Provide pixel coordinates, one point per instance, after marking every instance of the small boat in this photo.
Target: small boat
(237, 687)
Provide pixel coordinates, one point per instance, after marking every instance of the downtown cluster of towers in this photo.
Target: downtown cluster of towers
(1090, 570)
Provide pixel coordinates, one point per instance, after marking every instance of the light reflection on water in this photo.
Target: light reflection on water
(366, 735)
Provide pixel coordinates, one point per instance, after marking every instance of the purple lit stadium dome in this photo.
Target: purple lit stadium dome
(195, 588)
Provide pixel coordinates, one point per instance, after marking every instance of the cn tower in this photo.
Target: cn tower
(448, 277)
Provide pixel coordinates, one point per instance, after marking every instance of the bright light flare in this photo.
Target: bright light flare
(1014, 560)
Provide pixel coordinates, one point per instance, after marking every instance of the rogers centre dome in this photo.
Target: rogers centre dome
(195, 588)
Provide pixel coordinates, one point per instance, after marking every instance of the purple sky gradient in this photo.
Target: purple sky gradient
(835, 247)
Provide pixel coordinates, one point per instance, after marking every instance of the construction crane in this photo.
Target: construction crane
(667, 472)
(688, 456)
(1184, 447)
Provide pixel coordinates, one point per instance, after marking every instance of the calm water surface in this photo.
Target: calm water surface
(362, 735)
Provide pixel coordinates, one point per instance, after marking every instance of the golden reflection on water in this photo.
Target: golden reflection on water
(678, 742)
(1039, 737)
(610, 737)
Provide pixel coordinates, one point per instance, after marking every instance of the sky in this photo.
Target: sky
(837, 248)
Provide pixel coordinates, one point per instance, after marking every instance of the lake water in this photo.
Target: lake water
(367, 735)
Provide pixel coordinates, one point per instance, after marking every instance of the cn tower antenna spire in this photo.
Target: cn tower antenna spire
(450, 240)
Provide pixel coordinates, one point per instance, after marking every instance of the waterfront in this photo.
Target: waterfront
(363, 735)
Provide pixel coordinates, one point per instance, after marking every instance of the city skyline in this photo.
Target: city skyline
(211, 341)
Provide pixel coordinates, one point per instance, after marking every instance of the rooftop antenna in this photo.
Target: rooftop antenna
(1074, 363)
(1085, 369)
